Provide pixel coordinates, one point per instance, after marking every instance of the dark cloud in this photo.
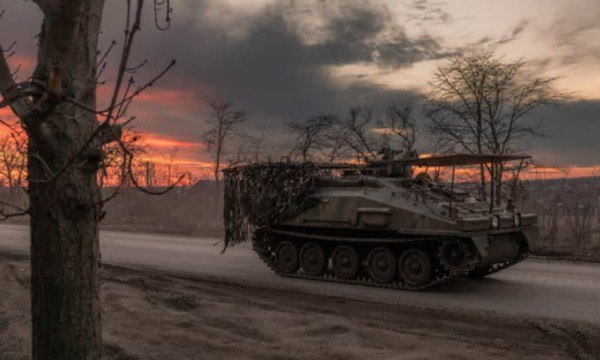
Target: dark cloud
(356, 25)
(512, 35)
(420, 4)
(571, 134)
(521, 26)
(515, 33)
(272, 70)
(404, 51)
(570, 37)
(431, 11)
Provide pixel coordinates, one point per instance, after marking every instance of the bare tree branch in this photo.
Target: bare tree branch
(312, 134)
(399, 121)
(222, 122)
(17, 212)
(19, 105)
(479, 102)
(358, 127)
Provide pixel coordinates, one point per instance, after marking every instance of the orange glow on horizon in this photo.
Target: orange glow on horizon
(538, 173)
(26, 65)
(185, 98)
(173, 97)
(160, 141)
(551, 172)
(179, 161)
(6, 112)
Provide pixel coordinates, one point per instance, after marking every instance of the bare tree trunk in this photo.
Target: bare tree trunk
(483, 185)
(64, 259)
(57, 109)
(217, 167)
(64, 195)
(499, 172)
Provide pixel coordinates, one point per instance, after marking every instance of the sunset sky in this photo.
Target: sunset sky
(288, 60)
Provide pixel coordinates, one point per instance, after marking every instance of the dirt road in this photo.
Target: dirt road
(153, 315)
(532, 289)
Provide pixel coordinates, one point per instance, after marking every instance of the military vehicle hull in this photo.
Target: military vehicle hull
(384, 231)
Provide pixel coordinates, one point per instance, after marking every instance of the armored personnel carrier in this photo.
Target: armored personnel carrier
(374, 224)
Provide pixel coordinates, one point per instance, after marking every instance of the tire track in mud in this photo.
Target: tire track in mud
(566, 336)
(574, 341)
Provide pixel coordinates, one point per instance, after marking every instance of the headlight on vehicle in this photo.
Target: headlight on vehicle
(517, 219)
(495, 221)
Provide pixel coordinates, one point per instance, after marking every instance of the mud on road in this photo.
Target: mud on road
(152, 315)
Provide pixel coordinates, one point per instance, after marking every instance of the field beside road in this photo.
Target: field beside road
(567, 208)
(156, 315)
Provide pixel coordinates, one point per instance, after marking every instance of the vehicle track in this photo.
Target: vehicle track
(439, 277)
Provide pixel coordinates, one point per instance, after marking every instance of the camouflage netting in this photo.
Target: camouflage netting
(265, 193)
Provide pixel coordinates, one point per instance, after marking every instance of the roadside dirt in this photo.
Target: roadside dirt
(150, 315)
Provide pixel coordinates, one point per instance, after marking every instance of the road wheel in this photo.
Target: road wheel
(455, 255)
(312, 259)
(287, 257)
(381, 265)
(345, 262)
(415, 267)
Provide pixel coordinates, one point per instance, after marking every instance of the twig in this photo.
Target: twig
(19, 211)
(6, 216)
(127, 46)
(106, 53)
(108, 116)
(139, 90)
(125, 100)
(10, 47)
(133, 69)
(21, 106)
